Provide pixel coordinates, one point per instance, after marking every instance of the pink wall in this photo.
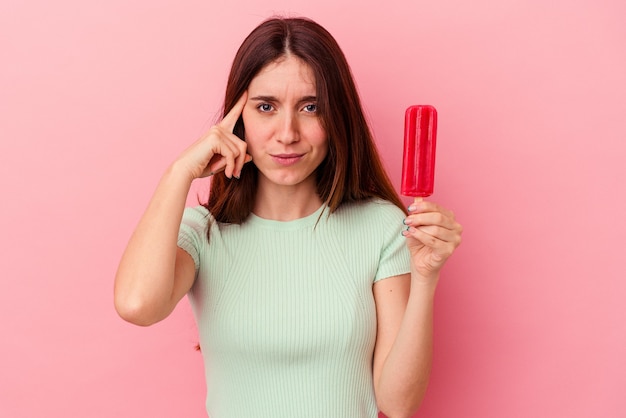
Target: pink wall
(97, 97)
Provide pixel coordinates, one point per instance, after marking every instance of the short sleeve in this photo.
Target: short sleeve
(192, 236)
(394, 256)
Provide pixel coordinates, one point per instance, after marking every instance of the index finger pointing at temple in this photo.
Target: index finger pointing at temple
(231, 117)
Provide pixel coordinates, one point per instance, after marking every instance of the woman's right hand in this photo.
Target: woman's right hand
(219, 149)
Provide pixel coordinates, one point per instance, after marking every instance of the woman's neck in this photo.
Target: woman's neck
(286, 203)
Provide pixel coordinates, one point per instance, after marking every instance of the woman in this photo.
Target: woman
(312, 296)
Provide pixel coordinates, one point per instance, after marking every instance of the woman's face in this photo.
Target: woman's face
(283, 131)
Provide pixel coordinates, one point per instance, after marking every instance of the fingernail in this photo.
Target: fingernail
(406, 221)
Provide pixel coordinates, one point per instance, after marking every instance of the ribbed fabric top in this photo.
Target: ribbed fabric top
(285, 310)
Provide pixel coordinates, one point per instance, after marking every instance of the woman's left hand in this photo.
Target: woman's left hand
(432, 236)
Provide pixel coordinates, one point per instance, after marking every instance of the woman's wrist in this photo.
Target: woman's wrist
(427, 283)
(179, 172)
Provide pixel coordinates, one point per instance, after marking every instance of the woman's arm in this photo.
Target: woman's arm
(154, 274)
(404, 307)
(403, 355)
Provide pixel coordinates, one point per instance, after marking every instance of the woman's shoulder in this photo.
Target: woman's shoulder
(374, 209)
(197, 217)
(199, 212)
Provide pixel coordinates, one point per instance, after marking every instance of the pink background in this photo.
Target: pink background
(96, 98)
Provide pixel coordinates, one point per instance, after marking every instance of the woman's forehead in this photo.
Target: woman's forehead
(285, 75)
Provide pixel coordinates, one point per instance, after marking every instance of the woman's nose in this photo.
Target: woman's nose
(288, 129)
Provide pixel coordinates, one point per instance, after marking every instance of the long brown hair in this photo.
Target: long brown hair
(352, 169)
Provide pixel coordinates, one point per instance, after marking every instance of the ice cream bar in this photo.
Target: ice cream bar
(418, 162)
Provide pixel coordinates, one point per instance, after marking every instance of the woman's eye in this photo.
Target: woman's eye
(310, 108)
(265, 107)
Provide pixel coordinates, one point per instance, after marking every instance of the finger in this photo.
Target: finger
(442, 235)
(230, 158)
(224, 155)
(220, 165)
(420, 205)
(216, 166)
(416, 205)
(241, 157)
(241, 160)
(233, 115)
(431, 218)
(439, 246)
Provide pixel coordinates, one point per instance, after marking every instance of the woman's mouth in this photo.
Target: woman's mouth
(286, 159)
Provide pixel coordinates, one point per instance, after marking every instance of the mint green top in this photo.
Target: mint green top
(285, 310)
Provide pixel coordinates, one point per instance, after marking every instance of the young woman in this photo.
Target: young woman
(312, 288)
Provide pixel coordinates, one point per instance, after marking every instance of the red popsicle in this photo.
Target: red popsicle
(418, 162)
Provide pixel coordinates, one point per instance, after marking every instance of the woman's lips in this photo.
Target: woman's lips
(286, 159)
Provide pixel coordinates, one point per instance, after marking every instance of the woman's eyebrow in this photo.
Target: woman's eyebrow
(263, 98)
(308, 99)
